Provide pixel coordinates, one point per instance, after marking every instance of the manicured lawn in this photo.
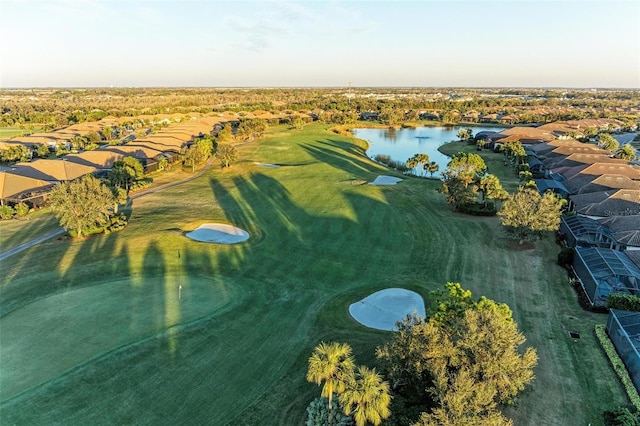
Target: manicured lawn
(17, 231)
(9, 132)
(111, 343)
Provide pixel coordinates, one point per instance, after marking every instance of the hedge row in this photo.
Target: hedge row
(618, 365)
(624, 302)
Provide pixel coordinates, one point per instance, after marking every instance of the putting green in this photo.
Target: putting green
(42, 340)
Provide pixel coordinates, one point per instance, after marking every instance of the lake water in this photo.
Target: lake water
(402, 144)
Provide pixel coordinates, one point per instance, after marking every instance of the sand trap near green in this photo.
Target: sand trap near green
(42, 340)
(385, 180)
(218, 233)
(383, 309)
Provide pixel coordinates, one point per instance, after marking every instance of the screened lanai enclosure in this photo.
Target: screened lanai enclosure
(623, 328)
(604, 271)
(583, 231)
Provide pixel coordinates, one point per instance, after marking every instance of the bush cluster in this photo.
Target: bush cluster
(621, 416)
(8, 212)
(319, 414)
(477, 209)
(624, 302)
(386, 160)
(565, 257)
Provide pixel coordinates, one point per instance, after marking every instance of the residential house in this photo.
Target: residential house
(582, 184)
(621, 202)
(52, 170)
(15, 188)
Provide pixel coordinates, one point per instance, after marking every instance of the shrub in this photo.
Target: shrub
(476, 209)
(621, 416)
(618, 365)
(318, 413)
(624, 302)
(401, 166)
(565, 257)
(6, 212)
(117, 223)
(22, 209)
(382, 158)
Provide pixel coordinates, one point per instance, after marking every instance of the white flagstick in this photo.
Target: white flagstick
(180, 292)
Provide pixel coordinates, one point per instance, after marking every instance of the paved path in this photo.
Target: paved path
(59, 231)
(31, 243)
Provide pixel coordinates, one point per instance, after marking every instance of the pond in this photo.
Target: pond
(402, 144)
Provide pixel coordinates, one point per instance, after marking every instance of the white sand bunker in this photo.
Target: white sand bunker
(381, 310)
(218, 233)
(267, 166)
(385, 180)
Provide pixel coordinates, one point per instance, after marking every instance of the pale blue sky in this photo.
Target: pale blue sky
(80, 43)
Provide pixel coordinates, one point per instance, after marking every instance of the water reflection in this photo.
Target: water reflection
(402, 144)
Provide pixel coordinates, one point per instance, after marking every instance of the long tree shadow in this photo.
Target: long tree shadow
(219, 326)
(344, 156)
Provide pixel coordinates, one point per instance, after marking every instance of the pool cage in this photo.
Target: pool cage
(604, 271)
(623, 328)
(586, 232)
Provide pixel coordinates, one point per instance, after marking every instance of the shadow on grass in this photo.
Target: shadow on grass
(344, 156)
(207, 369)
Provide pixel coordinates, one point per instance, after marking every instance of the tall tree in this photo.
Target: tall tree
(107, 132)
(491, 188)
(226, 153)
(124, 173)
(366, 397)
(467, 167)
(467, 354)
(461, 178)
(527, 213)
(431, 167)
(464, 134)
(606, 141)
(82, 204)
(626, 152)
(331, 363)
(418, 160)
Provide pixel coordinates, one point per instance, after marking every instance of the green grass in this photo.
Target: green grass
(20, 230)
(112, 346)
(9, 132)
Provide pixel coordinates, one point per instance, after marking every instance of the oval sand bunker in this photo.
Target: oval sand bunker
(383, 309)
(218, 233)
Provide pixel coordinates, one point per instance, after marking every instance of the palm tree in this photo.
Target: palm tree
(432, 167)
(422, 159)
(626, 152)
(366, 397)
(412, 163)
(331, 363)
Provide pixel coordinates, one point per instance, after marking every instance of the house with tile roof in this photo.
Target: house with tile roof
(582, 184)
(52, 170)
(15, 188)
(621, 202)
(101, 159)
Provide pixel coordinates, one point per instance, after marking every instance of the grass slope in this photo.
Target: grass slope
(319, 242)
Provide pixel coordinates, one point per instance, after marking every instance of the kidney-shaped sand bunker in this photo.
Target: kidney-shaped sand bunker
(383, 309)
(218, 233)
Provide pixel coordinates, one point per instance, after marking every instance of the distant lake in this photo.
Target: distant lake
(402, 144)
